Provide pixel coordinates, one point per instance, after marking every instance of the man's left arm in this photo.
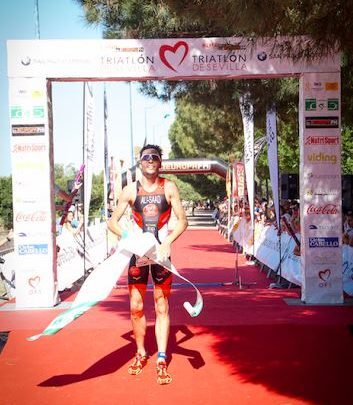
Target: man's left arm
(181, 224)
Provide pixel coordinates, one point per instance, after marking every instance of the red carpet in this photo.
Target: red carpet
(247, 346)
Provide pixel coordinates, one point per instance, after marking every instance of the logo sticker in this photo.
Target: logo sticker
(331, 86)
(27, 130)
(322, 140)
(324, 242)
(321, 122)
(171, 54)
(328, 209)
(310, 104)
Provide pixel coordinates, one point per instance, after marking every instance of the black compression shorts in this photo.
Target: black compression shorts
(139, 275)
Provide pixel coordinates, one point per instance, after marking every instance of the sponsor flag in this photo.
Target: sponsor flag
(247, 112)
(229, 182)
(272, 156)
(89, 147)
(112, 176)
(106, 156)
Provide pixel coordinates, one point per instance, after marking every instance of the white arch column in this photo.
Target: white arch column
(320, 187)
(33, 205)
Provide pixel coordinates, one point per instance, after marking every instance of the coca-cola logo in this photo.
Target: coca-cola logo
(36, 216)
(328, 209)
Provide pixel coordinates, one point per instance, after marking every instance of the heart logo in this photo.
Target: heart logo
(34, 281)
(170, 55)
(325, 275)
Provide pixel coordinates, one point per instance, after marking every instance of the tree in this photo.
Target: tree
(6, 212)
(326, 22)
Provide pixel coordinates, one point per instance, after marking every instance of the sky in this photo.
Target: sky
(64, 19)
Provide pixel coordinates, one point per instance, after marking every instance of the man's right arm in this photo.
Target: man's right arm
(113, 223)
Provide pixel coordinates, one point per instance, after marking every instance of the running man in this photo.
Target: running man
(151, 199)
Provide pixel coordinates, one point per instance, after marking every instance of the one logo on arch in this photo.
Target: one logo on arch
(173, 56)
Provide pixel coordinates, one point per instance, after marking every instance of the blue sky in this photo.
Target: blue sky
(64, 19)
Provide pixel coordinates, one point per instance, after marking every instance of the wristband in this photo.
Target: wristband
(125, 234)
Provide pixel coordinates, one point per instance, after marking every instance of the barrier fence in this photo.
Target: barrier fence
(264, 245)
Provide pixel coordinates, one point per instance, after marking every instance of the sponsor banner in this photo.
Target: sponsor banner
(75, 254)
(325, 264)
(320, 187)
(267, 246)
(31, 180)
(163, 58)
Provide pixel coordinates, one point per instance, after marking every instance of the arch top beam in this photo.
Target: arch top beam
(161, 59)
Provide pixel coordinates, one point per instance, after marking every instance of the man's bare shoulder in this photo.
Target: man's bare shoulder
(170, 186)
(129, 191)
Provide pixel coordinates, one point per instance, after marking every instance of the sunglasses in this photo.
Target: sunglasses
(151, 156)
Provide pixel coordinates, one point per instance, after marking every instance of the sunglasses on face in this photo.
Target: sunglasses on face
(150, 156)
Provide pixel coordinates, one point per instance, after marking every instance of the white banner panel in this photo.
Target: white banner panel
(320, 187)
(156, 58)
(70, 259)
(32, 203)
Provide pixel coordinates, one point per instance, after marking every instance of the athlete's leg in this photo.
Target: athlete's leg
(138, 319)
(162, 285)
(161, 303)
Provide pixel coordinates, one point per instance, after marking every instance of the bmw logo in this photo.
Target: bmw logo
(262, 56)
(26, 61)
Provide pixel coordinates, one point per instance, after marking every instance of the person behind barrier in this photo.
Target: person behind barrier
(71, 225)
(348, 229)
(151, 200)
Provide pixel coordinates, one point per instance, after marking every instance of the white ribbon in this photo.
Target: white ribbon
(101, 281)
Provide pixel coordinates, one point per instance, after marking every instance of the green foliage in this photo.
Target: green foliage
(347, 151)
(6, 214)
(208, 122)
(97, 197)
(186, 191)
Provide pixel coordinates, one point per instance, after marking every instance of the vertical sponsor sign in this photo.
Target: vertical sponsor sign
(240, 179)
(106, 154)
(320, 187)
(247, 112)
(33, 208)
(272, 154)
(112, 176)
(89, 146)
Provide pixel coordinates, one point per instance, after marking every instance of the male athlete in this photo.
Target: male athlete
(151, 200)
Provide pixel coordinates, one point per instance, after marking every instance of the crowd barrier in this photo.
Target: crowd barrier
(265, 246)
(76, 255)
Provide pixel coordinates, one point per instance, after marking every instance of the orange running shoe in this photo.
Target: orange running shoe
(163, 377)
(138, 364)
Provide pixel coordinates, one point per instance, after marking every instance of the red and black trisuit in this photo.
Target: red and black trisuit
(151, 213)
